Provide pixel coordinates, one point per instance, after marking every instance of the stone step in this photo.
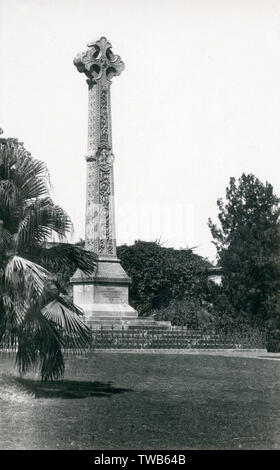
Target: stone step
(157, 338)
(165, 346)
(112, 320)
(140, 323)
(99, 316)
(155, 333)
(127, 324)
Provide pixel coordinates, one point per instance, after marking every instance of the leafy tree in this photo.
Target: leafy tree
(193, 312)
(248, 243)
(161, 274)
(37, 317)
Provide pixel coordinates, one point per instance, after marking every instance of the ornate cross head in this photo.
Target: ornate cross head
(99, 62)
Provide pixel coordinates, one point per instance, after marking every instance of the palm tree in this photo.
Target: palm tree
(37, 317)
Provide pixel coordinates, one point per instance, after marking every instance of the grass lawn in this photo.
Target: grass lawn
(134, 401)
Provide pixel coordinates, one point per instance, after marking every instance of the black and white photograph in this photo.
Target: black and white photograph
(140, 228)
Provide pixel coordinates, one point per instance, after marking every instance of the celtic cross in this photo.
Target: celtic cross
(100, 65)
(98, 62)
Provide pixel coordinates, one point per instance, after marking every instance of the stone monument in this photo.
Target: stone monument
(103, 296)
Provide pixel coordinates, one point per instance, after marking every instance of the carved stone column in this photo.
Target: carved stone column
(104, 297)
(100, 65)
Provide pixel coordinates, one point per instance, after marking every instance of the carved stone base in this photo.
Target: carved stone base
(104, 296)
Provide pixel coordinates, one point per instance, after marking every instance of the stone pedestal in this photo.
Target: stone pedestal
(104, 296)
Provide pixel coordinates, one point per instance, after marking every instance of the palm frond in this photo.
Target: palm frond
(40, 219)
(31, 176)
(11, 317)
(9, 194)
(40, 344)
(52, 363)
(8, 157)
(26, 277)
(66, 258)
(64, 314)
(6, 241)
(15, 307)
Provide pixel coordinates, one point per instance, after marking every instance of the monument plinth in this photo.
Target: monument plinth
(103, 296)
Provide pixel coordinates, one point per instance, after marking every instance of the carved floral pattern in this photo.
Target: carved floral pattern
(92, 120)
(92, 213)
(105, 198)
(104, 124)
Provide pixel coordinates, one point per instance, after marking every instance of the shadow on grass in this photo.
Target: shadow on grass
(69, 389)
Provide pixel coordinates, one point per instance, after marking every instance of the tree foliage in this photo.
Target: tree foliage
(37, 317)
(192, 312)
(161, 274)
(248, 243)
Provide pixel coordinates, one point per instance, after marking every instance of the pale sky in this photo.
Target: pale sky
(198, 102)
